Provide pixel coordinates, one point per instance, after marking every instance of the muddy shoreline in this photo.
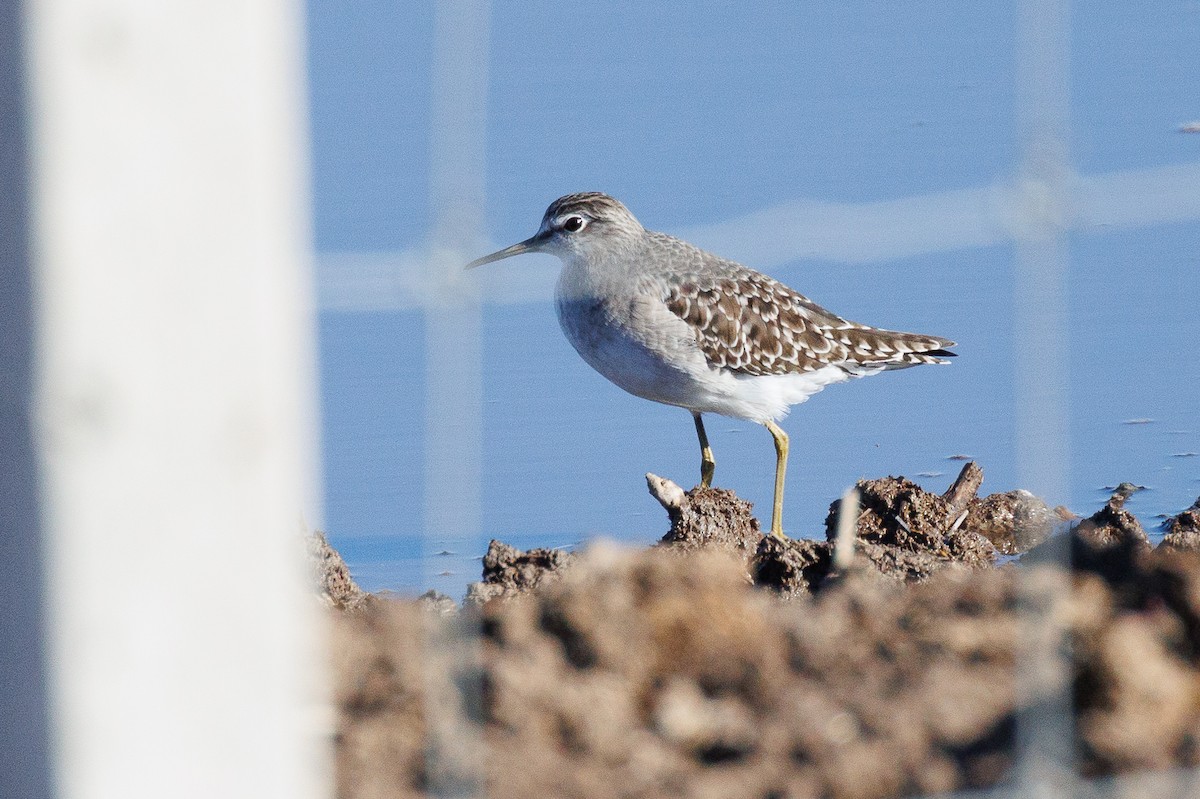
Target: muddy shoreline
(724, 663)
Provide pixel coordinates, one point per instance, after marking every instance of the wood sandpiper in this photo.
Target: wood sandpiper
(669, 322)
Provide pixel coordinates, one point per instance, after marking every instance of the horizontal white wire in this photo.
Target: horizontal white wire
(803, 229)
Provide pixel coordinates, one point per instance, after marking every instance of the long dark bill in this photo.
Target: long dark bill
(531, 244)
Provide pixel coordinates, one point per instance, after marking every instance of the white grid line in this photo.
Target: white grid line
(808, 229)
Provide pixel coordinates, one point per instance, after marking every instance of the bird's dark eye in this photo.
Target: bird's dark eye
(573, 224)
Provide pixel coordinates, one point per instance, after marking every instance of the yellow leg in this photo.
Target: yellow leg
(707, 463)
(781, 453)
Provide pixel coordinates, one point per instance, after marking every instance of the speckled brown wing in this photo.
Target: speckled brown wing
(751, 324)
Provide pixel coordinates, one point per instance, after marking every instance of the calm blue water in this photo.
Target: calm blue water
(694, 114)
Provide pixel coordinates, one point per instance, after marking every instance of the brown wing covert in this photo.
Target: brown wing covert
(750, 324)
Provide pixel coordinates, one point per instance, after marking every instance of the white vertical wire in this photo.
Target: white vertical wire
(454, 407)
(1045, 729)
(1044, 191)
(453, 360)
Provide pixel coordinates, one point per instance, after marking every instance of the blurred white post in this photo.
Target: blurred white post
(176, 401)
(1045, 730)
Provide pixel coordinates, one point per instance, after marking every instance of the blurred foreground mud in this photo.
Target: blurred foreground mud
(721, 663)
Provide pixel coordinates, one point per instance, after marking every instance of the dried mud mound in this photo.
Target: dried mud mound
(1113, 525)
(507, 571)
(1183, 531)
(679, 671)
(655, 674)
(910, 533)
(336, 588)
(706, 519)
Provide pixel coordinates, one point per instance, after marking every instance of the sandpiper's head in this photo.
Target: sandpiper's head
(575, 226)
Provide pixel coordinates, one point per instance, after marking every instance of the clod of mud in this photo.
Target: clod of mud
(1109, 543)
(964, 489)
(1113, 525)
(437, 603)
(1015, 521)
(706, 518)
(908, 532)
(795, 567)
(335, 587)
(1183, 531)
(508, 571)
(903, 531)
